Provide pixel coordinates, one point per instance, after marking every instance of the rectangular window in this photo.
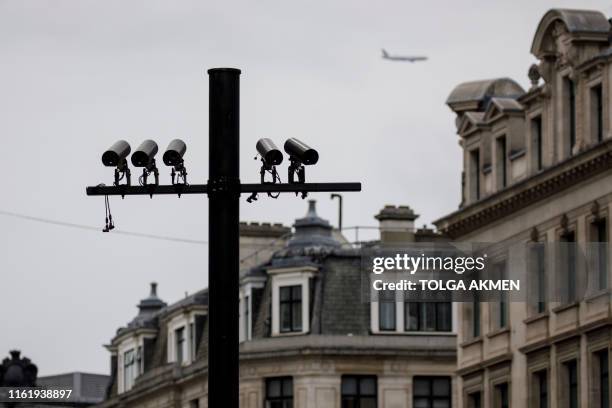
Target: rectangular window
(129, 369)
(247, 317)
(194, 403)
(291, 308)
(386, 310)
(541, 389)
(537, 143)
(597, 112)
(599, 252)
(139, 361)
(279, 392)
(501, 396)
(474, 400)
(571, 112)
(568, 247)
(501, 318)
(502, 162)
(359, 391)
(537, 268)
(475, 175)
(603, 378)
(431, 392)
(571, 383)
(179, 342)
(476, 317)
(192, 342)
(428, 316)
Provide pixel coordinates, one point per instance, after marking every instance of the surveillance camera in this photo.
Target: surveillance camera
(144, 155)
(173, 155)
(269, 152)
(116, 154)
(301, 152)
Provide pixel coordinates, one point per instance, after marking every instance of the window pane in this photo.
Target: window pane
(386, 315)
(285, 293)
(296, 292)
(411, 316)
(421, 403)
(285, 317)
(274, 389)
(444, 316)
(297, 316)
(367, 402)
(349, 386)
(441, 387)
(421, 387)
(287, 387)
(441, 403)
(429, 316)
(367, 386)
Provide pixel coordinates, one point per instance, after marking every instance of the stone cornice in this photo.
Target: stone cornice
(553, 180)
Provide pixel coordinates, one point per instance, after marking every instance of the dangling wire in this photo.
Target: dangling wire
(275, 178)
(108, 220)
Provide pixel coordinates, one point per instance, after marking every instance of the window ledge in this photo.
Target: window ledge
(536, 317)
(470, 342)
(498, 332)
(596, 295)
(413, 333)
(565, 307)
(289, 334)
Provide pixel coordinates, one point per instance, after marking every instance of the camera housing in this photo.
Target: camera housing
(300, 151)
(270, 154)
(145, 154)
(116, 154)
(173, 156)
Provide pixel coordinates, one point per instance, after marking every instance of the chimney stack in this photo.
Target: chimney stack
(396, 224)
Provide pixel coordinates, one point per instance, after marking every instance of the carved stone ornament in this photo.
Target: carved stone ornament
(534, 75)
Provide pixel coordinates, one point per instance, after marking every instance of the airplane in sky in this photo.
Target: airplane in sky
(386, 55)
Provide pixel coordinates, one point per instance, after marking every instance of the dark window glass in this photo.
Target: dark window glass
(291, 308)
(538, 271)
(279, 392)
(475, 175)
(571, 93)
(537, 145)
(502, 167)
(386, 310)
(599, 249)
(427, 316)
(179, 338)
(474, 400)
(431, 392)
(247, 316)
(476, 318)
(502, 309)
(571, 254)
(541, 381)
(604, 379)
(359, 391)
(597, 101)
(502, 395)
(571, 371)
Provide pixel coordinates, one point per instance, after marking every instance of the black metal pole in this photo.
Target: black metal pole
(223, 236)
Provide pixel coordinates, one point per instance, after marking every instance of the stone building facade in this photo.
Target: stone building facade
(538, 171)
(307, 338)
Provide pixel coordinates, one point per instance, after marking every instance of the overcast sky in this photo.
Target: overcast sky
(77, 75)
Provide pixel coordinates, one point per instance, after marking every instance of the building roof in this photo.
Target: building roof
(587, 25)
(475, 95)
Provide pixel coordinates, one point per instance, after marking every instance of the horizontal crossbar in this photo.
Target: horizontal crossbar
(203, 189)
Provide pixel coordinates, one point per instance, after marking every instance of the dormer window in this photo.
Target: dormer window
(474, 175)
(130, 368)
(179, 338)
(570, 108)
(290, 300)
(290, 309)
(501, 157)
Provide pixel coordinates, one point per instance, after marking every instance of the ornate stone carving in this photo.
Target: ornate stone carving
(564, 222)
(535, 234)
(534, 75)
(595, 209)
